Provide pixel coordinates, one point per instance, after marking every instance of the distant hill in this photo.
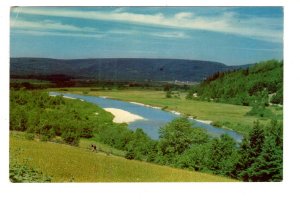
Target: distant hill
(123, 69)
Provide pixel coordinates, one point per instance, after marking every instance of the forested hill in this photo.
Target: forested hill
(260, 84)
(137, 69)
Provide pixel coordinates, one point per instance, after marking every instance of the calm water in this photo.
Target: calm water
(155, 117)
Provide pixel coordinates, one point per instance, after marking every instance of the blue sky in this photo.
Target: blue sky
(232, 35)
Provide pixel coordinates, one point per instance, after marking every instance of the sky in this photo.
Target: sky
(231, 35)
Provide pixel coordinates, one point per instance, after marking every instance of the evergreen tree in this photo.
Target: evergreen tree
(223, 155)
(262, 154)
(250, 149)
(269, 164)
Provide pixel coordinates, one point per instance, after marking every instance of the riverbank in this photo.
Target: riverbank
(172, 111)
(123, 116)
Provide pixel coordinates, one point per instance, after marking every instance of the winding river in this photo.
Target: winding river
(155, 118)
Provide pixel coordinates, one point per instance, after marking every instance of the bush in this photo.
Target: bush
(70, 138)
(22, 173)
(129, 155)
(164, 108)
(29, 136)
(168, 94)
(260, 111)
(217, 124)
(277, 98)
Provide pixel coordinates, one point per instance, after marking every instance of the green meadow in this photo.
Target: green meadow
(65, 163)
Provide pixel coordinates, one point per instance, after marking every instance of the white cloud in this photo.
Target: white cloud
(48, 25)
(177, 35)
(165, 34)
(48, 33)
(41, 28)
(228, 22)
(183, 15)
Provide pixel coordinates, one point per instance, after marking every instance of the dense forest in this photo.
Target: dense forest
(258, 158)
(259, 85)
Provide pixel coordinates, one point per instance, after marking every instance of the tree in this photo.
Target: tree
(269, 164)
(223, 155)
(176, 137)
(196, 158)
(250, 149)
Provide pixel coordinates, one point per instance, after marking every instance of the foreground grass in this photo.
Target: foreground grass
(71, 164)
(230, 116)
(86, 144)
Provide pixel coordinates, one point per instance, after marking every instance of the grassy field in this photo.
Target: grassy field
(86, 144)
(230, 116)
(72, 164)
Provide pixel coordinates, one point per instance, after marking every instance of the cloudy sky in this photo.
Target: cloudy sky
(232, 35)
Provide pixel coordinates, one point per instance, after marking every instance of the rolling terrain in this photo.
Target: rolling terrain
(64, 163)
(118, 69)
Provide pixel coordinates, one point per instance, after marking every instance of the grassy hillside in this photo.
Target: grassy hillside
(66, 163)
(116, 69)
(260, 84)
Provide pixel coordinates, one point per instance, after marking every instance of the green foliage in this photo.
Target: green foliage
(29, 136)
(258, 158)
(22, 173)
(47, 117)
(262, 154)
(71, 138)
(168, 94)
(278, 97)
(260, 111)
(222, 155)
(176, 137)
(195, 158)
(217, 124)
(244, 87)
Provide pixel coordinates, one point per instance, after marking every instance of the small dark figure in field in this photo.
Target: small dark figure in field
(94, 148)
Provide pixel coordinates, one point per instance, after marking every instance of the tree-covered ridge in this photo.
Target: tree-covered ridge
(260, 84)
(116, 69)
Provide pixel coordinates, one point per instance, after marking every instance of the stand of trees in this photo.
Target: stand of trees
(260, 84)
(258, 158)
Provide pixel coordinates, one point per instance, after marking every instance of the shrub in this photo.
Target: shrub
(217, 124)
(164, 108)
(129, 155)
(29, 136)
(260, 111)
(168, 94)
(22, 173)
(70, 138)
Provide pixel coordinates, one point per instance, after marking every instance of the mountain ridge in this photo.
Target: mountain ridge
(137, 69)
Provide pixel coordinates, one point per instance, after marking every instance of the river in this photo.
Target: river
(155, 118)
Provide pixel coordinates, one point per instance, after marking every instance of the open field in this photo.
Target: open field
(230, 116)
(65, 163)
(86, 144)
